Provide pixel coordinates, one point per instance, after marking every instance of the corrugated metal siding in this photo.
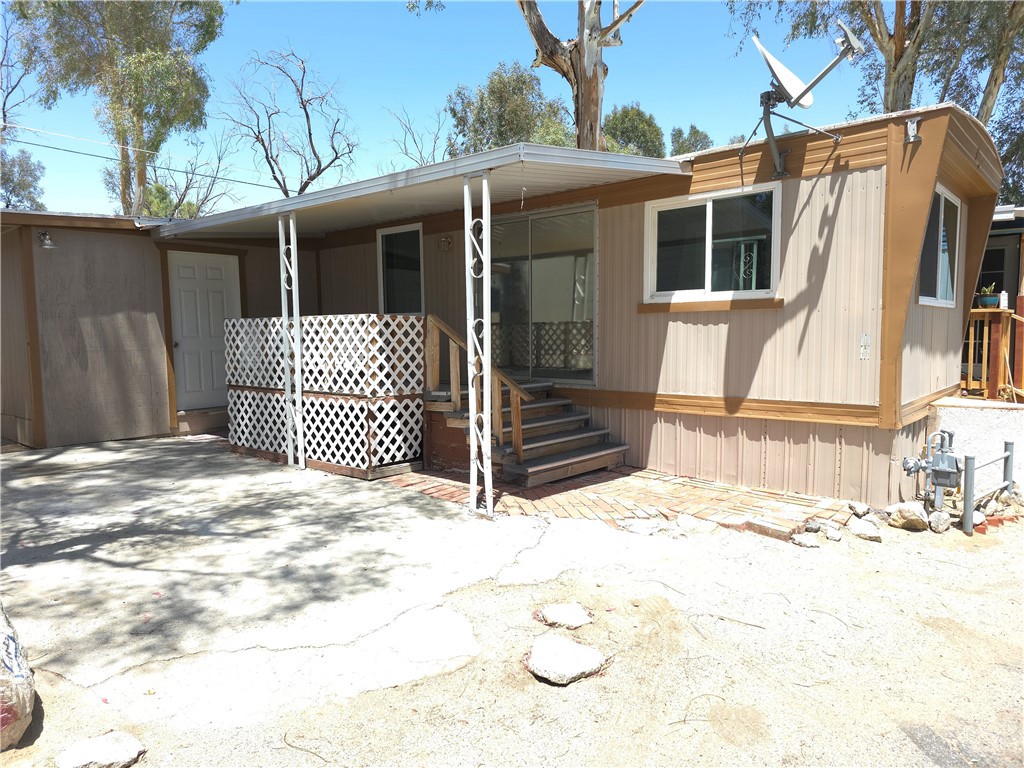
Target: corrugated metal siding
(263, 283)
(861, 463)
(348, 279)
(15, 386)
(933, 338)
(807, 351)
(444, 278)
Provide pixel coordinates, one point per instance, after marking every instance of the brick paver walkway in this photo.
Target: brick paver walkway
(628, 493)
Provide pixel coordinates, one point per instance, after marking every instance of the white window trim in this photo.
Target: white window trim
(651, 210)
(928, 301)
(380, 265)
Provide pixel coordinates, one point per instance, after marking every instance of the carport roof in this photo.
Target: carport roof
(517, 170)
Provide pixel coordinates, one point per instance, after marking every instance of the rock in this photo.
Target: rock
(813, 525)
(569, 615)
(17, 685)
(908, 515)
(115, 749)
(859, 508)
(833, 534)
(979, 517)
(561, 661)
(808, 540)
(830, 524)
(881, 514)
(864, 530)
(939, 521)
(875, 520)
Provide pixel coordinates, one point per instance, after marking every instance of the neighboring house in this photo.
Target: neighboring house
(786, 333)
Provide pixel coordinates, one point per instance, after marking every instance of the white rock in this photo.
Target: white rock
(939, 521)
(569, 615)
(830, 524)
(813, 525)
(875, 520)
(859, 508)
(561, 661)
(805, 540)
(979, 517)
(833, 534)
(908, 515)
(864, 530)
(115, 749)
(17, 685)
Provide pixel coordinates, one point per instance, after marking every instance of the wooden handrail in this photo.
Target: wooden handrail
(434, 328)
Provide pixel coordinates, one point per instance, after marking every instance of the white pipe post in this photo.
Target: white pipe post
(484, 418)
(297, 340)
(470, 253)
(285, 268)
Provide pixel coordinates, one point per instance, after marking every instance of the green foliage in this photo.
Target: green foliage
(508, 108)
(139, 58)
(19, 181)
(694, 140)
(630, 127)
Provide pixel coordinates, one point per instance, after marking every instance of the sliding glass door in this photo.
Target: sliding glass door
(544, 284)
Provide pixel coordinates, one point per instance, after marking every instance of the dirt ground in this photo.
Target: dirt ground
(725, 648)
(748, 652)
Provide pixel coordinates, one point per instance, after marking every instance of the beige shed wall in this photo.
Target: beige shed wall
(807, 351)
(104, 365)
(847, 462)
(15, 383)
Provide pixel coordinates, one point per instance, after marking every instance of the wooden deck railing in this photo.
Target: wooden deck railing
(995, 352)
(435, 329)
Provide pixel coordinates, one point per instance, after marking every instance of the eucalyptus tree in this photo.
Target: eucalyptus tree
(140, 59)
(693, 140)
(631, 126)
(579, 60)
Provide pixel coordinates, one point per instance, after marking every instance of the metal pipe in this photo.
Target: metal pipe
(1001, 457)
(1008, 464)
(967, 521)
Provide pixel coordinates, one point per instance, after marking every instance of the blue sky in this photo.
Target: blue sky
(676, 60)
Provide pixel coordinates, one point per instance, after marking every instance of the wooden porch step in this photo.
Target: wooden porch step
(531, 409)
(546, 425)
(445, 394)
(557, 442)
(559, 466)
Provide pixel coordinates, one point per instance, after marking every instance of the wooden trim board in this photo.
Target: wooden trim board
(35, 359)
(727, 305)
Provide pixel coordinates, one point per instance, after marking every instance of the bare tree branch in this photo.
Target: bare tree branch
(610, 34)
(292, 120)
(421, 148)
(15, 65)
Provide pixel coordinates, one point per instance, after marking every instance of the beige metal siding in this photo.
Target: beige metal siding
(933, 339)
(444, 278)
(348, 276)
(15, 384)
(263, 282)
(807, 351)
(104, 364)
(820, 459)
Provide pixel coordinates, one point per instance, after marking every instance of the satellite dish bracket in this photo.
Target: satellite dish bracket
(849, 47)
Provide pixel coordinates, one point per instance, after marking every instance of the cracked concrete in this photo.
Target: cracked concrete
(228, 612)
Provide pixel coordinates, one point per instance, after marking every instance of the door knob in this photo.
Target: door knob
(175, 345)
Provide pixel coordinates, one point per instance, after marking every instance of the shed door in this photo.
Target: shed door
(204, 292)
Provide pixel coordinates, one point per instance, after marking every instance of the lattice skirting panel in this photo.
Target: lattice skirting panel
(567, 345)
(356, 433)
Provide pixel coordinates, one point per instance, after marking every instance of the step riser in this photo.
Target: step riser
(550, 429)
(571, 470)
(540, 411)
(551, 450)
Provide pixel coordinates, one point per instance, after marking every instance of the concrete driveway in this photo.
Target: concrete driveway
(229, 611)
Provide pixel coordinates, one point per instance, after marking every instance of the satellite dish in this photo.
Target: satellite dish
(788, 89)
(785, 82)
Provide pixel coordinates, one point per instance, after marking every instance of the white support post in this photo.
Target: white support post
(291, 337)
(478, 341)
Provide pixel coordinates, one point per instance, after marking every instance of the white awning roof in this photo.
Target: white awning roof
(521, 170)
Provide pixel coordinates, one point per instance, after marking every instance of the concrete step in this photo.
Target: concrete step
(559, 466)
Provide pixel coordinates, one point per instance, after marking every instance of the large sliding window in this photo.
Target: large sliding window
(400, 255)
(722, 245)
(543, 293)
(939, 264)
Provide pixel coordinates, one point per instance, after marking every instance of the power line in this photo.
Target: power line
(158, 167)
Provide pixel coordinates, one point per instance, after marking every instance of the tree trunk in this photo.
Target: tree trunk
(997, 72)
(587, 58)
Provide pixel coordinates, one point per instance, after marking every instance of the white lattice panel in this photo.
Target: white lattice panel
(337, 430)
(253, 356)
(256, 420)
(368, 355)
(397, 430)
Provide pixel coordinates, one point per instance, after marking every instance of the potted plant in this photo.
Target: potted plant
(988, 297)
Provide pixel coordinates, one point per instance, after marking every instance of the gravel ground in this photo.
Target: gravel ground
(725, 648)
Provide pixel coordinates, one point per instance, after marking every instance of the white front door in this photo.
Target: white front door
(204, 292)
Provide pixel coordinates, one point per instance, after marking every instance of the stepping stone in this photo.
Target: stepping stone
(115, 749)
(561, 661)
(568, 615)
